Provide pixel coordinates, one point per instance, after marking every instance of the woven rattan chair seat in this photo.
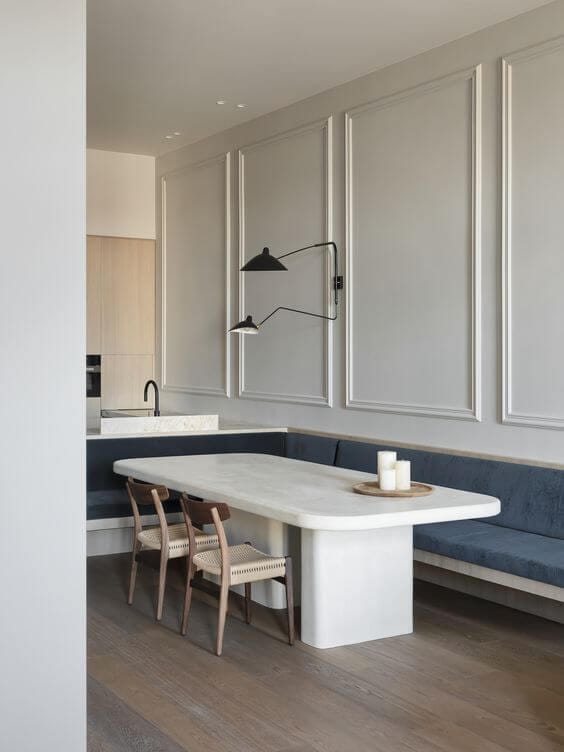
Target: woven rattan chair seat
(178, 540)
(247, 564)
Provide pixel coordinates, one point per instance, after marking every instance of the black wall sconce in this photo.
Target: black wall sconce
(264, 262)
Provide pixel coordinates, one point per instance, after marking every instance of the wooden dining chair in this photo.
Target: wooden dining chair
(234, 565)
(171, 540)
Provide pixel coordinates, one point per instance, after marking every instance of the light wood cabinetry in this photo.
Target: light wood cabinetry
(93, 295)
(123, 379)
(128, 296)
(121, 316)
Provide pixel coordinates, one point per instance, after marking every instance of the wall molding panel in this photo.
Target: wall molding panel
(512, 414)
(445, 182)
(391, 107)
(201, 387)
(324, 397)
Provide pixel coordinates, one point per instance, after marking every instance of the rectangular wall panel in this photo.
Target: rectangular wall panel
(533, 177)
(195, 278)
(413, 251)
(285, 203)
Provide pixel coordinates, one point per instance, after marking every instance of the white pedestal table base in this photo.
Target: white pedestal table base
(356, 585)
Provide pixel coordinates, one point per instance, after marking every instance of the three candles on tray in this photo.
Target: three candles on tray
(393, 474)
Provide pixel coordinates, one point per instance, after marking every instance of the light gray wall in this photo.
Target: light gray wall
(42, 323)
(407, 170)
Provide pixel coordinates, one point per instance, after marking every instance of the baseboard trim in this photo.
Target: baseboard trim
(541, 589)
(503, 595)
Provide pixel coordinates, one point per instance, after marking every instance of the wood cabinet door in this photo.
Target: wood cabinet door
(128, 296)
(93, 295)
(123, 380)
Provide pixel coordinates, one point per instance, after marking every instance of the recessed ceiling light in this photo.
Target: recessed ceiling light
(169, 137)
(220, 101)
(241, 106)
(177, 133)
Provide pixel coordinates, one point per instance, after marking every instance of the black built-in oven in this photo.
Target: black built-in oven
(93, 375)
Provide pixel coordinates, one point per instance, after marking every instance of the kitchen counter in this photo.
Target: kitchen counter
(224, 428)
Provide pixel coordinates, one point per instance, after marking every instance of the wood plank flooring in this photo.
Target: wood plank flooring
(474, 677)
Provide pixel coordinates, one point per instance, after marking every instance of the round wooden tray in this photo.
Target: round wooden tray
(371, 488)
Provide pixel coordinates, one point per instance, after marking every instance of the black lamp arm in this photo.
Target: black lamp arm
(297, 310)
(337, 281)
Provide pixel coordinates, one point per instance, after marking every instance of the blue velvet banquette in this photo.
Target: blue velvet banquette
(526, 539)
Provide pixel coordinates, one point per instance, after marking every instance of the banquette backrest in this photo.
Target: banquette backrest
(532, 498)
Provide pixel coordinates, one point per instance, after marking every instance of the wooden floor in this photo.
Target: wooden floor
(474, 677)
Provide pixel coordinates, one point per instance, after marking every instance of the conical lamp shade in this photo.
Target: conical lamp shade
(247, 326)
(264, 262)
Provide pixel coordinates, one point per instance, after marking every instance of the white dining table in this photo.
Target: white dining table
(356, 551)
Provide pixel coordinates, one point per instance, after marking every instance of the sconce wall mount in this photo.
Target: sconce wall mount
(265, 262)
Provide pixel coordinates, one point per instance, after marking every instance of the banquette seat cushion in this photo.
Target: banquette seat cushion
(525, 539)
(536, 557)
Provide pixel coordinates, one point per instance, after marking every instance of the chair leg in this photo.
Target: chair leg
(289, 583)
(162, 583)
(223, 604)
(133, 574)
(248, 602)
(187, 600)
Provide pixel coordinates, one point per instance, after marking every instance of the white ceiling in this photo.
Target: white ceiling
(158, 66)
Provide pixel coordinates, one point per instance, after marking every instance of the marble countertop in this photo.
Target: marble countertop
(304, 494)
(224, 428)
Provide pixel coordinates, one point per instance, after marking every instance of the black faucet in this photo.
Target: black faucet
(156, 411)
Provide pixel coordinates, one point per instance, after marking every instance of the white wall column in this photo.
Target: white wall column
(42, 335)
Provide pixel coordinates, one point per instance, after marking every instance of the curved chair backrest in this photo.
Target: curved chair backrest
(143, 494)
(200, 513)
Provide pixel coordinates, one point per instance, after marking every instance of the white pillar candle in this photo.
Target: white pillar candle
(386, 461)
(387, 479)
(403, 475)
